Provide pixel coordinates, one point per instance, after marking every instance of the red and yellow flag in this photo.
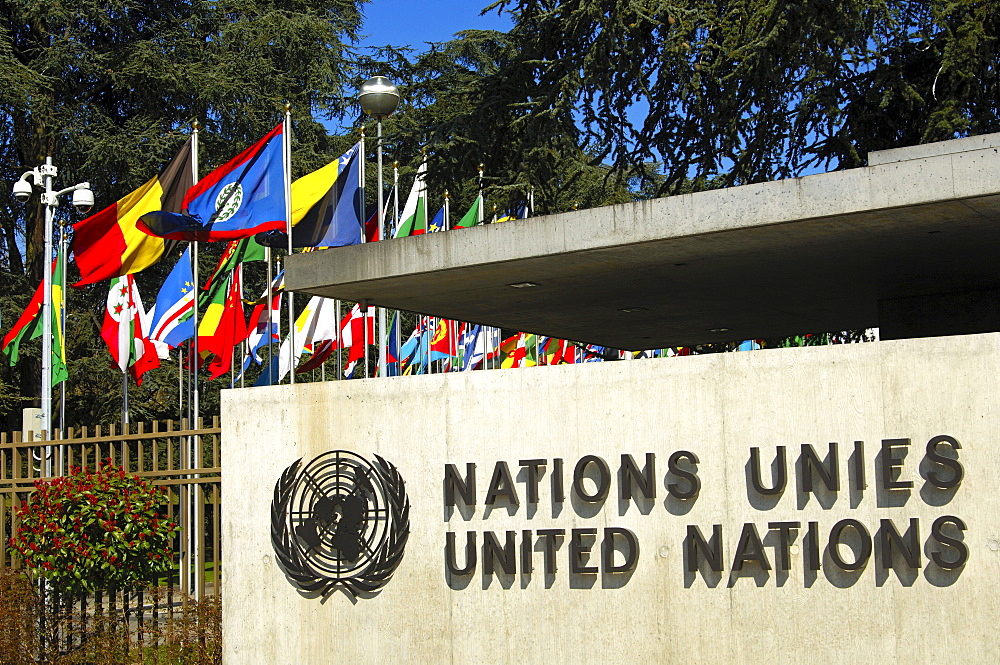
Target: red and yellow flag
(108, 244)
(230, 328)
(443, 340)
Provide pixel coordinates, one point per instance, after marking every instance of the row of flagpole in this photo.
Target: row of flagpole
(190, 564)
(192, 390)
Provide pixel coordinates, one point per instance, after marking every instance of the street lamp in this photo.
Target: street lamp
(379, 98)
(83, 201)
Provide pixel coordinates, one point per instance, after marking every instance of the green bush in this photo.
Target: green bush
(94, 530)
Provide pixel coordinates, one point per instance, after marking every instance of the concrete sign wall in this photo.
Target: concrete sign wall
(823, 505)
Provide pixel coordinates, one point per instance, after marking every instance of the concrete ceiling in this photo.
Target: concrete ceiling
(803, 255)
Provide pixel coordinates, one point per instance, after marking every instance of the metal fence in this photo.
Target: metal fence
(182, 460)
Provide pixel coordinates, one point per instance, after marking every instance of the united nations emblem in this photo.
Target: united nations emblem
(228, 201)
(340, 522)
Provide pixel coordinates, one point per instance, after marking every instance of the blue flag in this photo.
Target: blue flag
(413, 355)
(473, 351)
(409, 350)
(326, 207)
(241, 198)
(269, 376)
(392, 347)
(172, 320)
(437, 224)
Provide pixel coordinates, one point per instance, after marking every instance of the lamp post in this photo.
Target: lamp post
(379, 98)
(83, 201)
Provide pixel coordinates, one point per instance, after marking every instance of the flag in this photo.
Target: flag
(59, 371)
(353, 333)
(125, 329)
(566, 355)
(230, 329)
(29, 325)
(443, 340)
(491, 344)
(326, 207)
(171, 319)
(110, 244)
(258, 327)
(596, 353)
(550, 350)
(270, 375)
(213, 294)
(472, 346)
(372, 233)
(411, 349)
(474, 215)
(316, 324)
(392, 346)
(413, 219)
(437, 224)
(236, 252)
(241, 198)
(321, 353)
(212, 307)
(326, 204)
(519, 350)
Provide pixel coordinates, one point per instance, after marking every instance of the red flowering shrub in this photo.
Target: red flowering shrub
(89, 531)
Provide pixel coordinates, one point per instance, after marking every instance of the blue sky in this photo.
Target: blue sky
(415, 23)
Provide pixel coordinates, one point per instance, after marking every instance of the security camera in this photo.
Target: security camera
(83, 200)
(22, 190)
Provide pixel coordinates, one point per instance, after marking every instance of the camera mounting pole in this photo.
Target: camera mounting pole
(83, 200)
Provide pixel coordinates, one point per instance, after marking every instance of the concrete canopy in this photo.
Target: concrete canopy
(809, 254)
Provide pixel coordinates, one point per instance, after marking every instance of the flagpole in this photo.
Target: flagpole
(395, 224)
(287, 145)
(340, 342)
(180, 378)
(188, 497)
(125, 401)
(487, 330)
(63, 308)
(193, 365)
(270, 296)
(450, 324)
(232, 351)
(46, 394)
(363, 306)
(395, 198)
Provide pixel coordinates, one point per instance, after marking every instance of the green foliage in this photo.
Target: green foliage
(463, 103)
(94, 530)
(724, 93)
(108, 89)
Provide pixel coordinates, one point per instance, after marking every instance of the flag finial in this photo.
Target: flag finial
(195, 125)
(288, 107)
